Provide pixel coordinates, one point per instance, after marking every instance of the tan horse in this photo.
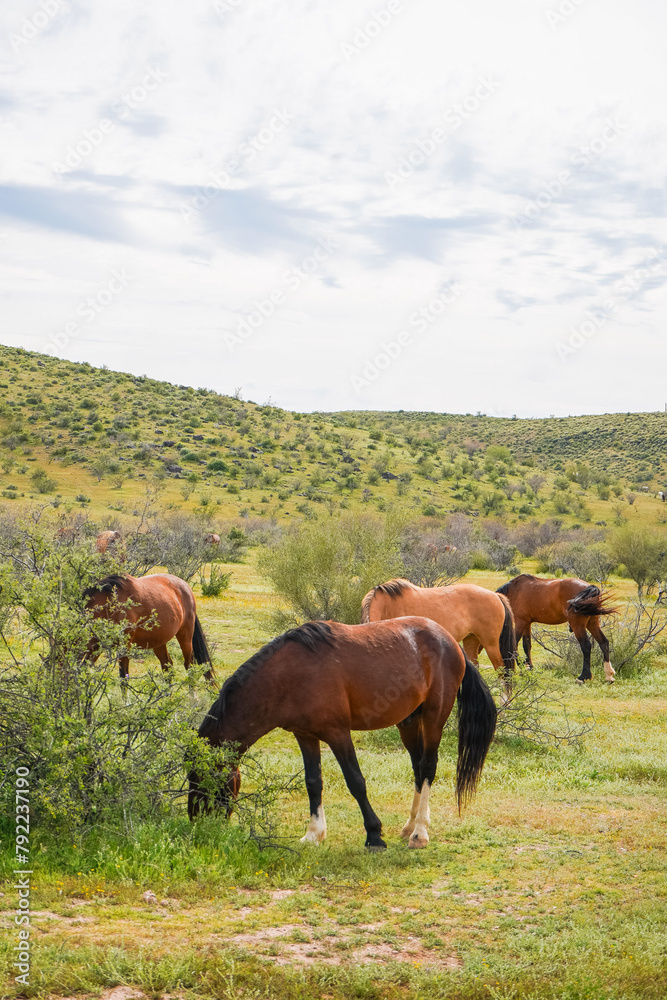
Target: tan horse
(477, 618)
(156, 608)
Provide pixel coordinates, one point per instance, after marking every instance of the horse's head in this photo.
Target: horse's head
(199, 799)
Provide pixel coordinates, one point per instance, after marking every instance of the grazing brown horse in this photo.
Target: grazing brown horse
(554, 602)
(156, 608)
(324, 679)
(477, 618)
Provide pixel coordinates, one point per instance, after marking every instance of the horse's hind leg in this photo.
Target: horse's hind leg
(472, 647)
(603, 643)
(343, 749)
(411, 735)
(312, 763)
(163, 656)
(184, 639)
(527, 646)
(431, 734)
(504, 671)
(578, 626)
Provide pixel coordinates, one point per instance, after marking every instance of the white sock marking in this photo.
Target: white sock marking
(410, 824)
(609, 672)
(317, 828)
(419, 837)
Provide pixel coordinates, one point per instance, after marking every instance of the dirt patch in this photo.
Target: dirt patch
(122, 993)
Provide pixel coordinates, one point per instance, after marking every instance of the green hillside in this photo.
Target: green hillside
(96, 437)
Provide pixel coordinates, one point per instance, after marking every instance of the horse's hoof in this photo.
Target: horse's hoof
(407, 830)
(311, 838)
(376, 847)
(417, 842)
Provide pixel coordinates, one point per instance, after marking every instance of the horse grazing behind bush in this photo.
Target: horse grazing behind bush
(156, 608)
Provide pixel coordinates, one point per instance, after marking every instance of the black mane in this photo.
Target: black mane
(311, 635)
(109, 585)
(394, 588)
(506, 586)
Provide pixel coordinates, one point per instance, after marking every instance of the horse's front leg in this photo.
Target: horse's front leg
(312, 763)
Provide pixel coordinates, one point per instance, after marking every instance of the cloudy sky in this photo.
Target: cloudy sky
(417, 204)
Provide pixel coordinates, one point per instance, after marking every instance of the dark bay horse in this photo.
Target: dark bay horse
(554, 602)
(477, 618)
(157, 608)
(324, 679)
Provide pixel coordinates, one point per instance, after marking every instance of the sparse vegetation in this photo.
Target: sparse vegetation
(549, 888)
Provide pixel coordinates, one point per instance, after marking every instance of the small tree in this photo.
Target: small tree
(641, 550)
(324, 568)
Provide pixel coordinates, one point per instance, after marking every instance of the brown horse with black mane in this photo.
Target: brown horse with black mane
(554, 602)
(157, 608)
(324, 679)
(477, 618)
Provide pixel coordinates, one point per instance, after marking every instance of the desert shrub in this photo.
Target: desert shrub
(586, 561)
(177, 542)
(216, 582)
(96, 752)
(430, 559)
(642, 552)
(42, 482)
(636, 636)
(324, 568)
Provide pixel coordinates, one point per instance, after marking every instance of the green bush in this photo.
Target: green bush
(215, 584)
(324, 568)
(42, 482)
(97, 752)
(642, 552)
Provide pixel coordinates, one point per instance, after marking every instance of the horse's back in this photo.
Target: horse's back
(461, 608)
(371, 675)
(544, 601)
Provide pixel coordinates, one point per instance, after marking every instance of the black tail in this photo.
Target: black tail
(477, 724)
(592, 601)
(507, 641)
(200, 653)
(505, 589)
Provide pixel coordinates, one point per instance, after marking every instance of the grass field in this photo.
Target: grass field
(551, 887)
